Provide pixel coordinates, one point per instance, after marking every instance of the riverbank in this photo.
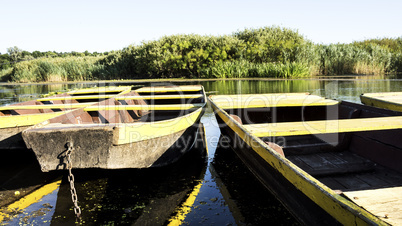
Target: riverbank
(185, 80)
(269, 52)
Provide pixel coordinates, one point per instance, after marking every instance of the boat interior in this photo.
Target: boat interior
(141, 105)
(61, 102)
(353, 159)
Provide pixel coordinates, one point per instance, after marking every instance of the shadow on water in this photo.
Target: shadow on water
(132, 196)
(20, 172)
(248, 200)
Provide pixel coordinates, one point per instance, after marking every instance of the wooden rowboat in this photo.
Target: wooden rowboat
(339, 162)
(389, 100)
(147, 127)
(15, 118)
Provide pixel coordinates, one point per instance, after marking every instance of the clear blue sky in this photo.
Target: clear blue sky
(66, 26)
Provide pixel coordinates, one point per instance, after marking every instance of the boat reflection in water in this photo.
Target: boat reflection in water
(151, 196)
(248, 200)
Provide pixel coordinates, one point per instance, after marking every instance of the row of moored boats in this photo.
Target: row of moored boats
(328, 161)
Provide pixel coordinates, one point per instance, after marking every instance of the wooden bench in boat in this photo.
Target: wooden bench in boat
(160, 97)
(101, 90)
(324, 126)
(169, 89)
(89, 97)
(161, 107)
(272, 100)
(45, 106)
(391, 100)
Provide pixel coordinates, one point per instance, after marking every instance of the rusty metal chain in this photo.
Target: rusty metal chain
(77, 209)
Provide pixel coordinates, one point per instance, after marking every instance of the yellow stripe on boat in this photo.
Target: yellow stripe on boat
(27, 120)
(134, 132)
(324, 126)
(271, 100)
(168, 89)
(337, 206)
(390, 100)
(160, 97)
(161, 107)
(30, 199)
(104, 89)
(44, 106)
(78, 97)
(241, 96)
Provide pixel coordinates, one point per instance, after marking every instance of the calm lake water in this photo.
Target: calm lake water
(218, 190)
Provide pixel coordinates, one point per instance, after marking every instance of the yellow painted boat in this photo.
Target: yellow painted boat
(327, 161)
(389, 100)
(15, 118)
(147, 127)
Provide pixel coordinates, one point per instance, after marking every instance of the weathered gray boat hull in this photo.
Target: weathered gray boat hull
(10, 138)
(93, 148)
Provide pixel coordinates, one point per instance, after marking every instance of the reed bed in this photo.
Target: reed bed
(263, 52)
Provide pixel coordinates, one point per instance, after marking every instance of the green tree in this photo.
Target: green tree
(15, 53)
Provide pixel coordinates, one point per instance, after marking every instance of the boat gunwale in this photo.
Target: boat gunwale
(300, 178)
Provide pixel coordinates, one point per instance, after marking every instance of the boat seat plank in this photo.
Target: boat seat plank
(272, 100)
(105, 89)
(390, 100)
(386, 203)
(168, 89)
(89, 97)
(160, 97)
(160, 107)
(45, 106)
(324, 126)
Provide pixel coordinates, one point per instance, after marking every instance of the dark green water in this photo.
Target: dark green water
(224, 192)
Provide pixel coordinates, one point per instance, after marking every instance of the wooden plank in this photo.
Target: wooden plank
(386, 203)
(270, 100)
(351, 182)
(160, 107)
(391, 100)
(324, 126)
(105, 89)
(89, 97)
(168, 89)
(45, 106)
(159, 97)
(269, 95)
(383, 94)
(27, 120)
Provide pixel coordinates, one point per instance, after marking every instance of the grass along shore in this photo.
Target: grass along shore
(270, 52)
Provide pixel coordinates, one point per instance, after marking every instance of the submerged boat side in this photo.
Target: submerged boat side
(306, 197)
(123, 132)
(17, 117)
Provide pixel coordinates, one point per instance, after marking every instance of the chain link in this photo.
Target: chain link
(70, 177)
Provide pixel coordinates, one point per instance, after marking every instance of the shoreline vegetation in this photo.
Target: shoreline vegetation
(269, 52)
